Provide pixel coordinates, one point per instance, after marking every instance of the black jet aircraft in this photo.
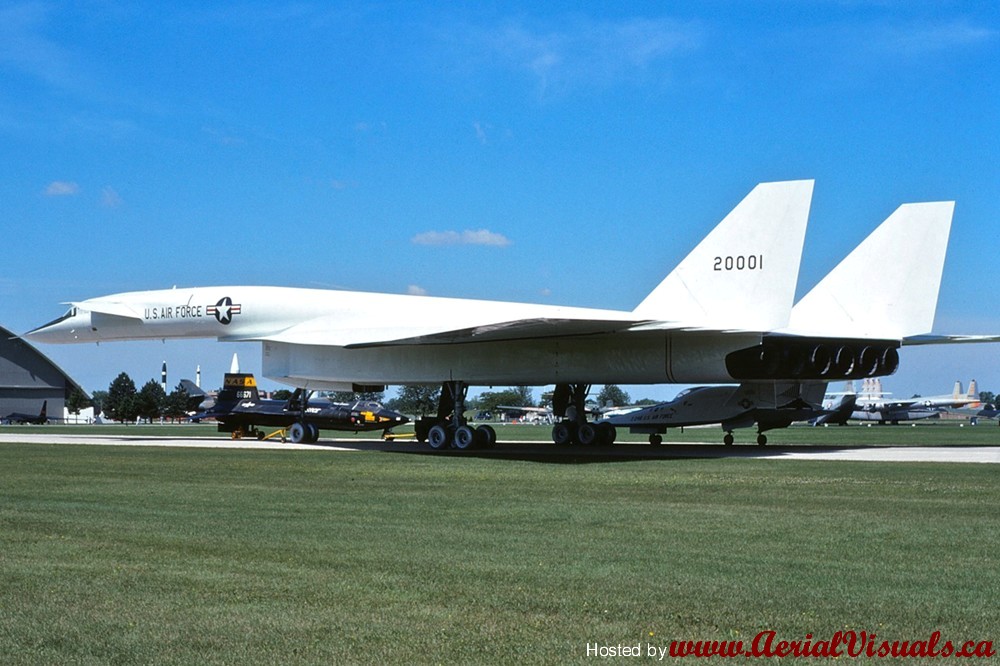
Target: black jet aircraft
(34, 419)
(239, 409)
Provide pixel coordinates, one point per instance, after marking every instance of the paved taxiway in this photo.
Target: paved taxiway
(548, 451)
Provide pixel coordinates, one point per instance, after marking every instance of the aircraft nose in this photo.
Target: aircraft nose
(51, 332)
(67, 328)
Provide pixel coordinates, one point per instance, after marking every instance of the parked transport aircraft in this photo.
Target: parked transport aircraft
(874, 404)
(724, 313)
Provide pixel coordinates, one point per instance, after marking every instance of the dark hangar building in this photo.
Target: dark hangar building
(28, 379)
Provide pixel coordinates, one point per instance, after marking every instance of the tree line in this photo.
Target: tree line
(124, 403)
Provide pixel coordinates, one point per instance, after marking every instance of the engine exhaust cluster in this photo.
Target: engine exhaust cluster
(804, 359)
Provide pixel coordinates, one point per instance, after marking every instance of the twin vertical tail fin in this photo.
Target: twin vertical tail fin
(743, 274)
(906, 252)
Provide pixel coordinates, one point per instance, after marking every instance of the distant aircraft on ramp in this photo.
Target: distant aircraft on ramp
(766, 405)
(28, 419)
(873, 405)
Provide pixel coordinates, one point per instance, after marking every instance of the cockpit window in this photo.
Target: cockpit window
(69, 315)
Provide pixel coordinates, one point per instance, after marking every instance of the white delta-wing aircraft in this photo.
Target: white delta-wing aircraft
(724, 313)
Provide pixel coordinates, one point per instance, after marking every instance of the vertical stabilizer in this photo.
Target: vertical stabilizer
(907, 253)
(238, 386)
(743, 274)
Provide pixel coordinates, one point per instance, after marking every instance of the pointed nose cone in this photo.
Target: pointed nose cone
(71, 327)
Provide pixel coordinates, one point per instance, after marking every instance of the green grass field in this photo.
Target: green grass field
(927, 433)
(139, 555)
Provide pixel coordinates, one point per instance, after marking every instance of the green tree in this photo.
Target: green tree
(348, 396)
(281, 394)
(416, 400)
(122, 402)
(515, 396)
(97, 399)
(614, 395)
(545, 400)
(988, 397)
(176, 405)
(77, 401)
(151, 401)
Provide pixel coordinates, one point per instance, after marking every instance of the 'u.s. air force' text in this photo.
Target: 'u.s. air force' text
(178, 312)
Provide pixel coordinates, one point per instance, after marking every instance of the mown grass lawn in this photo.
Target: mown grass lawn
(125, 555)
(924, 433)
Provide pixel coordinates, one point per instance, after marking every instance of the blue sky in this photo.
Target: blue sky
(549, 152)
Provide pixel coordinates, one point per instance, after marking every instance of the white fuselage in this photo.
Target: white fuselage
(332, 339)
(617, 358)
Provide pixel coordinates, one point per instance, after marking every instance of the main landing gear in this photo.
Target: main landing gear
(450, 428)
(728, 438)
(301, 432)
(568, 402)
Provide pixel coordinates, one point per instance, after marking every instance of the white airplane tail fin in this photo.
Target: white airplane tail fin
(743, 274)
(973, 390)
(908, 250)
(957, 391)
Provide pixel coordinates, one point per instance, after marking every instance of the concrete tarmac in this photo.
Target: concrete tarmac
(546, 451)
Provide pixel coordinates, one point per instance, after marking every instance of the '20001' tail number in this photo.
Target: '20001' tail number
(750, 262)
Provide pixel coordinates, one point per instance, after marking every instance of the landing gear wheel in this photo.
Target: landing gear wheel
(606, 434)
(465, 437)
(297, 433)
(562, 434)
(728, 439)
(586, 434)
(487, 435)
(437, 437)
(313, 433)
(656, 439)
(761, 439)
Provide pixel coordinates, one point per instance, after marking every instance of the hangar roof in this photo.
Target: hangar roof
(24, 367)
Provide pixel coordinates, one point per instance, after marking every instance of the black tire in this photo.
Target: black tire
(437, 437)
(465, 437)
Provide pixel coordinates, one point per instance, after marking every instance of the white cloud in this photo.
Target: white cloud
(110, 198)
(416, 290)
(588, 53)
(467, 237)
(62, 188)
(932, 38)
(24, 47)
(481, 131)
